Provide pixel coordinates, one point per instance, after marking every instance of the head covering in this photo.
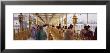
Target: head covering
(88, 26)
(41, 27)
(21, 13)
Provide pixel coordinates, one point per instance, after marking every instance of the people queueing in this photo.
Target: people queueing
(40, 32)
(20, 17)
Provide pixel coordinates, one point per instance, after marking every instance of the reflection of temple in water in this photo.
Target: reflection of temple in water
(65, 19)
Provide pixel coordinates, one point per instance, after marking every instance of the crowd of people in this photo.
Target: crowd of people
(51, 32)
